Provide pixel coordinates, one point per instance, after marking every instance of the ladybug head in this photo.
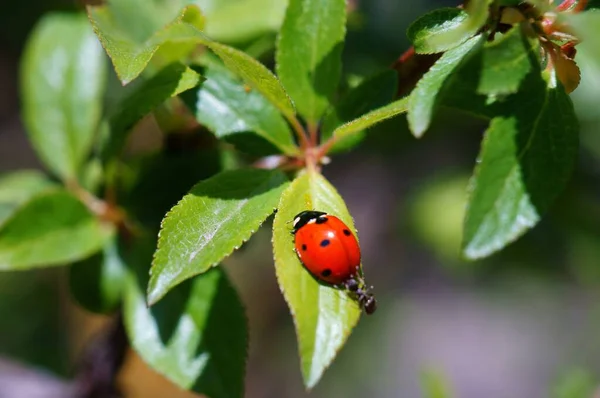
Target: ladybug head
(307, 217)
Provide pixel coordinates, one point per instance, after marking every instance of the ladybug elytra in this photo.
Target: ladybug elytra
(330, 252)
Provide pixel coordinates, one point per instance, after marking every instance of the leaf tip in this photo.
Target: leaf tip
(154, 292)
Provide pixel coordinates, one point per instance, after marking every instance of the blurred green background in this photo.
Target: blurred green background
(524, 323)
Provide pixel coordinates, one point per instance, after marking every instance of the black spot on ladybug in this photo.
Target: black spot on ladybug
(321, 220)
(346, 232)
(326, 272)
(325, 243)
(304, 247)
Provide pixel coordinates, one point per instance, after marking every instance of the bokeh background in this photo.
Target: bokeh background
(524, 323)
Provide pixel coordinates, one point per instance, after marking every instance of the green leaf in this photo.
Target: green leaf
(196, 337)
(526, 159)
(424, 31)
(478, 13)
(425, 97)
(323, 316)
(214, 219)
(370, 119)
(255, 74)
(370, 94)
(238, 21)
(130, 57)
(62, 82)
(17, 188)
(130, 30)
(505, 63)
(53, 228)
(309, 53)
(169, 82)
(226, 106)
(97, 282)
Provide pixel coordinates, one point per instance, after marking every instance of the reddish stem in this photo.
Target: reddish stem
(572, 5)
(300, 132)
(313, 133)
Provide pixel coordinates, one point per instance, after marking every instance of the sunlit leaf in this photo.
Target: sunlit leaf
(324, 316)
(226, 106)
(130, 57)
(370, 119)
(309, 53)
(210, 222)
(129, 45)
(422, 32)
(477, 15)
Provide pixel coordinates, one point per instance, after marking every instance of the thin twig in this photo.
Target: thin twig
(313, 133)
(299, 130)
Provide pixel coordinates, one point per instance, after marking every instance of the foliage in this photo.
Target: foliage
(510, 63)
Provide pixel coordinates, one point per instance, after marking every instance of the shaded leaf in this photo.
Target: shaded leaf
(323, 316)
(97, 282)
(17, 188)
(175, 172)
(210, 222)
(169, 82)
(505, 63)
(196, 337)
(62, 82)
(422, 31)
(424, 98)
(225, 106)
(370, 94)
(526, 159)
(53, 228)
(378, 115)
(309, 51)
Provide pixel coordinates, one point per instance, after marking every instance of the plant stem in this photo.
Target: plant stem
(572, 5)
(313, 132)
(299, 130)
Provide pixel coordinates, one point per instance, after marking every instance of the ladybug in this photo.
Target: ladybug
(330, 252)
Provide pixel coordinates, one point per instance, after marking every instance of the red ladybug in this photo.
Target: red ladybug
(331, 253)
